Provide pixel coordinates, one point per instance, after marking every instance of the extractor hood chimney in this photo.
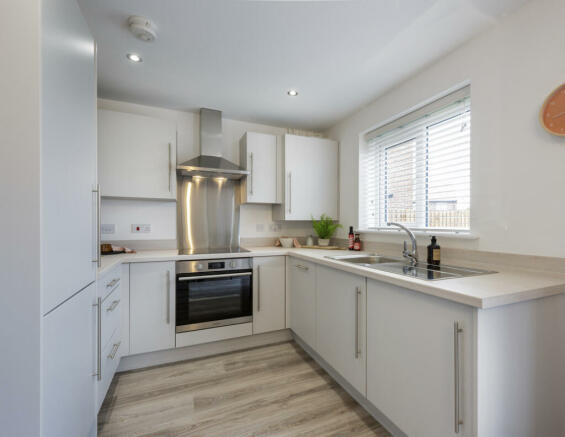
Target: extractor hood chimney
(211, 161)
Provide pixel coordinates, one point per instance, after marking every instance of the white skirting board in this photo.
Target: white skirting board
(361, 400)
(132, 362)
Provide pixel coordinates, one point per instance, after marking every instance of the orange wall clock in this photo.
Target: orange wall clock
(552, 114)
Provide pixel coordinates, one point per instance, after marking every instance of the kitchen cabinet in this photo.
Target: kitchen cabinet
(109, 333)
(67, 226)
(340, 323)
(258, 155)
(269, 294)
(308, 178)
(68, 384)
(418, 367)
(136, 156)
(152, 315)
(302, 295)
(68, 154)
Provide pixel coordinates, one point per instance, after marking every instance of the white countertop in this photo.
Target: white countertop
(486, 291)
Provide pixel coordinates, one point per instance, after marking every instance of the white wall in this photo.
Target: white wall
(518, 170)
(256, 220)
(20, 219)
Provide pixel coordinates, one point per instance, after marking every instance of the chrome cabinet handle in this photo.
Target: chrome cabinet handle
(301, 267)
(112, 282)
(115, 348)
(169, 163)
(98, 306)
(168, 296)
(97, 259)
(289, 192)
(258, 288)
(457, 331)
(357, 348)
(251, 174)
(113, 306)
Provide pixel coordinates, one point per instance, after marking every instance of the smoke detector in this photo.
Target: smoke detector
(142, 28)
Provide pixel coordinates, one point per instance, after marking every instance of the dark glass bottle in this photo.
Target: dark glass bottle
(357, 242)
(351, 237)
(434, 253)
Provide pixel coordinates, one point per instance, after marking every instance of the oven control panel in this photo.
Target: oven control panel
(214, 265)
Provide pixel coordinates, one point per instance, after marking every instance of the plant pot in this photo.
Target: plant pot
(323, 241)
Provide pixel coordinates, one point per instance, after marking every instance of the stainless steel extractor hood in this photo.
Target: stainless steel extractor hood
(211, 162)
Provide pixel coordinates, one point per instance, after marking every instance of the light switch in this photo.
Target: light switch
(140, 229)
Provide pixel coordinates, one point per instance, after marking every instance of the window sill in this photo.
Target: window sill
(460, 235)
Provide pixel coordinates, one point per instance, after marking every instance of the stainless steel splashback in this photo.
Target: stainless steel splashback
(208, 213)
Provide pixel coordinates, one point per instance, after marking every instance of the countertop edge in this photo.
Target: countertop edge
(431, 288)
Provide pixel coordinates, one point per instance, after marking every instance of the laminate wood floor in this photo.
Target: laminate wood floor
(275, 390)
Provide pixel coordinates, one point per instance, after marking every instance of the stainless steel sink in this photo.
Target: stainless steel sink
(403, 267)
(365, 259)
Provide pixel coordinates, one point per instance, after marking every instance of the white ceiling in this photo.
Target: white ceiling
(242, 56)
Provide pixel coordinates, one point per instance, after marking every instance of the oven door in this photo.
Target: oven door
(214, 299)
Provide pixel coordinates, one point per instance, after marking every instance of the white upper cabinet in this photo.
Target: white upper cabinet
(269, 294)
(258, 155)
(152, 306)
(136, 156)
(340, 323)
(68, 153)
(308, 178)
(419, 370)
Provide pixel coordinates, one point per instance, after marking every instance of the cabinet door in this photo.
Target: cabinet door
(311, 180)
(340, 323)
(411, 360)
(137, 156)
(68, 153)
(303, 300)
(268, 294)
(68, 384)
(152, 315)
(259, 156)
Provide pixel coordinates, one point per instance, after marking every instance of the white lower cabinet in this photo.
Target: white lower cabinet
(302, 295)
(110, 332)
(68, 387)
(412, 353)
(340, 323)
(269, 312)
(152, 304)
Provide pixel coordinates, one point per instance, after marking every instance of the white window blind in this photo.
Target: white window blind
(416, 170)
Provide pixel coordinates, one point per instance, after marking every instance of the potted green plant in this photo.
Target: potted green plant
(324, 228)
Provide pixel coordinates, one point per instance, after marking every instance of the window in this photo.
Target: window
(416, 170)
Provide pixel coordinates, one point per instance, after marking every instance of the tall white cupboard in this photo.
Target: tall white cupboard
(48, 157)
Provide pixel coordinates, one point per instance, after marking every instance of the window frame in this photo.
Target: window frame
(421, 178)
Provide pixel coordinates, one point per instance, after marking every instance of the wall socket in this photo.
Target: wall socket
(107, 228)
(275, 227)
(140, 229)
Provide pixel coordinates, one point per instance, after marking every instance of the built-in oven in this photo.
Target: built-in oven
(212, 293)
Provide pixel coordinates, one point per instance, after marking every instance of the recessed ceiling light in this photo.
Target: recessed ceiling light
(292, 93)
(133, 57)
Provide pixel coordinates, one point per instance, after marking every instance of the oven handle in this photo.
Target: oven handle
(226, 275)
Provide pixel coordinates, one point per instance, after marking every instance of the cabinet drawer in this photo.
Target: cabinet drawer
(111, 320)
(111, 354)
(109, 281)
